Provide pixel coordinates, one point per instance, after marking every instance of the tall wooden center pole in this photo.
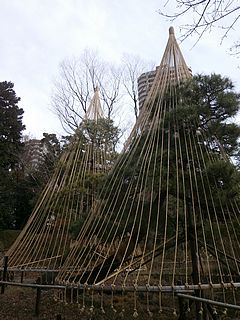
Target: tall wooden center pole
(194, 259)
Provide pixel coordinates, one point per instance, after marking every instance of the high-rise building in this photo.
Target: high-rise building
(34, 155)
(145, 82)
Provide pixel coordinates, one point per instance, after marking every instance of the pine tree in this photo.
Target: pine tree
(11, 128)
(205, 105)
(210, 102)
(98, 139)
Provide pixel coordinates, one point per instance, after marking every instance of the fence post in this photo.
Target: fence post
(22, 275)
(5, 266)
(38, 298)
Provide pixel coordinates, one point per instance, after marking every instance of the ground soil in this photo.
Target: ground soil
(18, 303)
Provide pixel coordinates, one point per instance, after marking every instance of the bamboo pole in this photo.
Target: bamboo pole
(109, 288)
(5, 266)
(208, 301)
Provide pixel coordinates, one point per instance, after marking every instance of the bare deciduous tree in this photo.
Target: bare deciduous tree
(110, 89)
(205, 15)
(133, 67)
(75, 88)
(117, 86)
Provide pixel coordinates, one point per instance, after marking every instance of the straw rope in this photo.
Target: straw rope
(45, 240)
(160, 219)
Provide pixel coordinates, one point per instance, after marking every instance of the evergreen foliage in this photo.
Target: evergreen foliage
(33, 177)
(205, 106)
(211, 102)
(97, 140)
(11, 128)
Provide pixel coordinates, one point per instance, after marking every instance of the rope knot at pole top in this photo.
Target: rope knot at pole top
(171, 30)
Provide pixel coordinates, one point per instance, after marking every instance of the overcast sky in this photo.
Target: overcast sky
(36, 35)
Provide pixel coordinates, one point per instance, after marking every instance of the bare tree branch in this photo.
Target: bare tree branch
(205, 15)
(75, 88)
(133, 67)
(117, 87)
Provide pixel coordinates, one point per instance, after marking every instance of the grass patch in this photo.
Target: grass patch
(7, 237)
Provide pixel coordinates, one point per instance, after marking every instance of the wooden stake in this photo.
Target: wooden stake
(22, 275)
(194, 258)
(5, 265)
(38, 298)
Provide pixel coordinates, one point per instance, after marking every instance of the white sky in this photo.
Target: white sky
(36, 35)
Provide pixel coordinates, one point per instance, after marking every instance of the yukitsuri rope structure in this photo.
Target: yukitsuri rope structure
(161, 224)
(45, 240)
